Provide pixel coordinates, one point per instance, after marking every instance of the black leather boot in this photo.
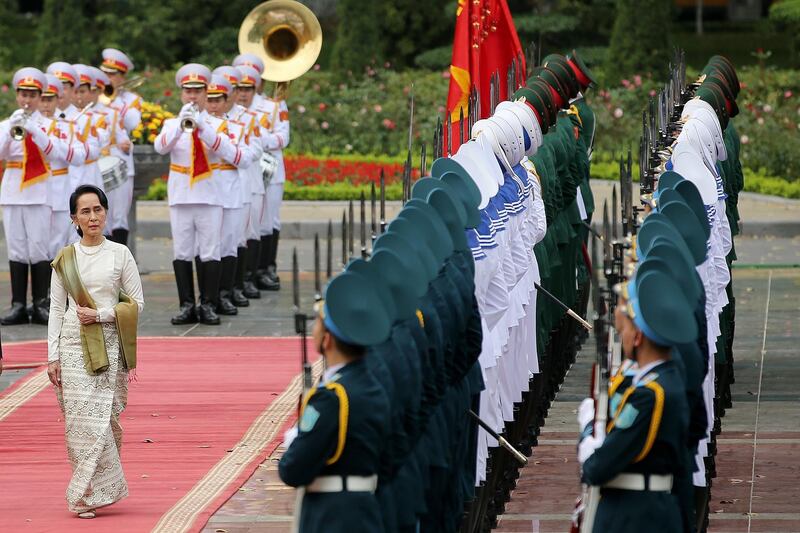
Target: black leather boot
(185, 282)
(198, 267)
(40, 282)
(120, 235)
(237, 295)
(272, 267)
(262, 279)
(227, 276)
(253, 252)
(19, 292)
(207, 311)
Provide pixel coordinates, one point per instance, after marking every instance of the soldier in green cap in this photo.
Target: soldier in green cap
(643, 451)
(334, 455)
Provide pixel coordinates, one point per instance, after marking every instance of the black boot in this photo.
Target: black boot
(198, 267)
(272, 267)
(40, 282)
(120, 235)
(253, 252)
(237, 295)
(185, 282)
(207, 312)
(19, 292)
(227, 276)
(262, 279)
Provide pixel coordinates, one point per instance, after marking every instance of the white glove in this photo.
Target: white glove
(585, 413)
(206, 132)
(587, 447)
(17, 118)
(187, 111)
(289, 437)
(39, 137)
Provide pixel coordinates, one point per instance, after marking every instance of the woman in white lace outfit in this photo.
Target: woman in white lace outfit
(92, 401)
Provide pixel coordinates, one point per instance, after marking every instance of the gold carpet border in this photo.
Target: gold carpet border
(261, 432)
(26, 391)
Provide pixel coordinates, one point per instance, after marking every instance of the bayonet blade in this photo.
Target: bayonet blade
(295, 282)
(373, 222)
(351, 237)
(344, 238)
(423, 161)
(329, 264)
(363, 226)
(383, 202)
(317, 280)
(614, 211)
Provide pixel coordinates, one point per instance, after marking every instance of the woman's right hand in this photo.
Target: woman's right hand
(54, 373)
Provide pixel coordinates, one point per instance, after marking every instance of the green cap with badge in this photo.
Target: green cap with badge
(401, 275)
(412, 233)
(468, 193)
(353, 312)
(368, 270)
(431, 226)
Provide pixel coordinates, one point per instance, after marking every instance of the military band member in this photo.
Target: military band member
(26, 148)
(231, 180)
(61, 228)
(196, 207)
(251, 177)
(69, 81)
(89, 128)
(126, 109)
(336, 451)
(274, 116)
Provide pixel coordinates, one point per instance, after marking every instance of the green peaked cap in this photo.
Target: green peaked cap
(673, 261)
(413, 234)
(429, 223)
(533, 100)
(368, 270)
(353, 311)
(468, 193)
(413, 260)
(661, 311)
(688, 226)
(399, 274)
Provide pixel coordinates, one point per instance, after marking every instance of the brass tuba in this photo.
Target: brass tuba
(285, 34)
(110, 92)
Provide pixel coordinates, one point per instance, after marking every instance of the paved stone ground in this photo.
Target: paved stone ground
(548, 486)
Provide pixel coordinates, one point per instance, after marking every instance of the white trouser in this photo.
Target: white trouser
(119, 206)
(196, 223)
(244, 224)
(27, 229)
(257, 214)
(231, 230)
(271, 221)
(61, 228)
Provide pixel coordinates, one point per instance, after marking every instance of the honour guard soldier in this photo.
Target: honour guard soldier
(644, 449)
(196, 206)
(274, 116)
(126, 115)
(26, 148)
(336, 450)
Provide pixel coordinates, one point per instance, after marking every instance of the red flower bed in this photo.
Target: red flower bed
(311, 170)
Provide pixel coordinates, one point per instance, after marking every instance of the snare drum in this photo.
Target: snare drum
(114, 170)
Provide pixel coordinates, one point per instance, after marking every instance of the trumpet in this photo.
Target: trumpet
(17, 130)
(189, 124)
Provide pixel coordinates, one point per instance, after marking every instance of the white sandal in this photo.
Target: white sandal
(87, 514)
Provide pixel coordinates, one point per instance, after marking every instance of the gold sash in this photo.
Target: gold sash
(95, 357)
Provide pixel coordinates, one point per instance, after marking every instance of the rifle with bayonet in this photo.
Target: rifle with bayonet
(300, 327)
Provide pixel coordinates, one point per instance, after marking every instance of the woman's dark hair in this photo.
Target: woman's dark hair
(80, 191)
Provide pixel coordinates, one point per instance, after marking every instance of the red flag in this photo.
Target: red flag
(485, 42)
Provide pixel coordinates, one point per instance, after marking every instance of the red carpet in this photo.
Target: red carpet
(194, 401)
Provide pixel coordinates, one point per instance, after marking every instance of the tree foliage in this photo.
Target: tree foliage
(640, 38)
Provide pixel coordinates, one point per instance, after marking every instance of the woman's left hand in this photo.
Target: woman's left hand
(87, 315)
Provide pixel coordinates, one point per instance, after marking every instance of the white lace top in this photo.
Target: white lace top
(104, 270)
